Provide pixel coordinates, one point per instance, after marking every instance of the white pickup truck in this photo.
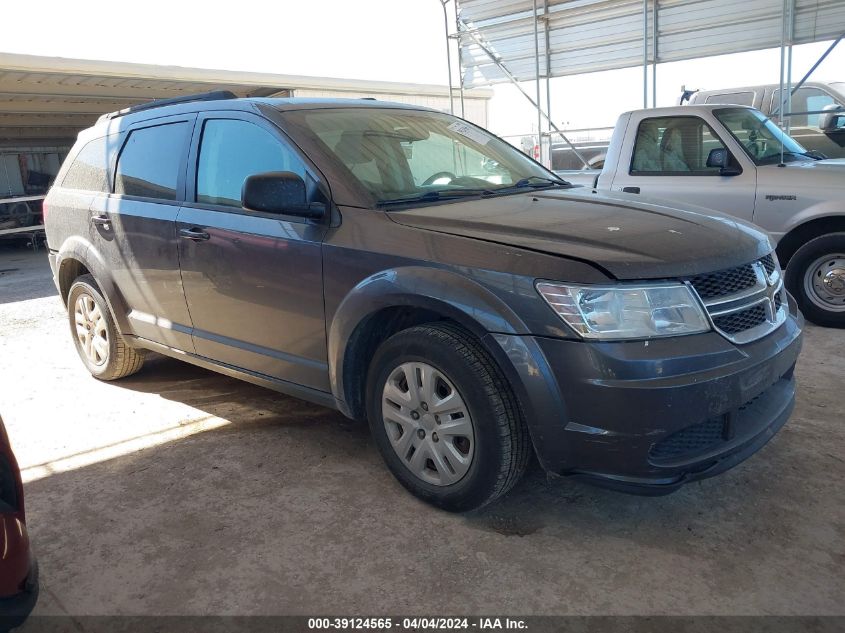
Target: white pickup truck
(735, 160)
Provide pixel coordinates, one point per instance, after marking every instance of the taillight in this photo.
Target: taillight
(43, 212)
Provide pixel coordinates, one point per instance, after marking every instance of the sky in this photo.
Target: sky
(389, 40)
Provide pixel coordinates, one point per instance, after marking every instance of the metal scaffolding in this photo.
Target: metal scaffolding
(533, 41)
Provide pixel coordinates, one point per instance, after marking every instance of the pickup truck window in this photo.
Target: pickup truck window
(805, 100)
(674, 145)
(761, 139)
(398, 154)
(732, 98)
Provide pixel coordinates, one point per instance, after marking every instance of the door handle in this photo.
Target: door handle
(196, 235)
(630, 189)
(100, 220)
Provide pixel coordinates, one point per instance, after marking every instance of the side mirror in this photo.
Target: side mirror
(721, 158)
(833, 119)
(281, 192)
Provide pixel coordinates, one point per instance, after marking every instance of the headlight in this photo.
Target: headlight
(627, 311)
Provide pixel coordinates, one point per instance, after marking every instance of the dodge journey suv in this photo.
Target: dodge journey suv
(410, 269)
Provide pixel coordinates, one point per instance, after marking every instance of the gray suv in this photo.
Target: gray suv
(410, 269)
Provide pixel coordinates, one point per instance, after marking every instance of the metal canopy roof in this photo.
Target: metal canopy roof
(592, 35)
(48, 100)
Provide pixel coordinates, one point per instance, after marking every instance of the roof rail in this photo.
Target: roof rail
(214, 95)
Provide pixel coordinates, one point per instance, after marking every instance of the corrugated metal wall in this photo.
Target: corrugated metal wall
(592, 35)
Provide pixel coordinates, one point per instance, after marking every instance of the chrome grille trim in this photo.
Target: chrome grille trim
(767, 291)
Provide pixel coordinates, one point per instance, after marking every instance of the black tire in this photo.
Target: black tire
(502, 447)
(121, 360)
(798, 278)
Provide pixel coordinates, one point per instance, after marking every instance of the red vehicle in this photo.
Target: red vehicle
(18, 568)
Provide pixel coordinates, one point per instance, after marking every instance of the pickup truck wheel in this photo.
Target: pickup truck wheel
(444, 418)
(99, 344)
(815, 276)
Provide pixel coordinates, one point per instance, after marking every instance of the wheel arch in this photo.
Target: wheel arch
(799, 235)
(391, 301)
(76, 258)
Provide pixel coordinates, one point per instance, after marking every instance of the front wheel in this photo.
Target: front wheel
(815, 276)
(444, 418)
(101, 347)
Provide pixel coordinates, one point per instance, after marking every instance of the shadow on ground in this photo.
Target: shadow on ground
(288, 509)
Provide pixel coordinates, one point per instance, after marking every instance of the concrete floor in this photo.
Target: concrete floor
(179, 491)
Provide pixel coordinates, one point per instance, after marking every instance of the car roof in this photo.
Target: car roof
(688, 110)
(759, 87)
(116, 121)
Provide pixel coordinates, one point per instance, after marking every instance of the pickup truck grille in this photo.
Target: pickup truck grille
(744, 303)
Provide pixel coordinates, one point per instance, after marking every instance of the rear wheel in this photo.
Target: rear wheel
(444, 418)
(99, 344)
(815, 276)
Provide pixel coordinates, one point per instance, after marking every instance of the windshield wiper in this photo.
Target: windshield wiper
(532, 182)
(435, 196)
(816, 154)
(776, 157)
(452, 194)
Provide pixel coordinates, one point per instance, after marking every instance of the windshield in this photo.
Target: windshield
(411, 155)
(761, 139)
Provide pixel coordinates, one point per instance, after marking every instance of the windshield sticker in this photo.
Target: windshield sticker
(464, 129)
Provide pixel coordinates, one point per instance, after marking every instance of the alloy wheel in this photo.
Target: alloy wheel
(91, 331)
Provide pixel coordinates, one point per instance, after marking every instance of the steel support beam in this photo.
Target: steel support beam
(443, 4)
(507, 73)
(813, 68)
(537, 78)
(645, 53)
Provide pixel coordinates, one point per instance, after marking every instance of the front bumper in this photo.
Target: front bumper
(649, 416)
(16, 608)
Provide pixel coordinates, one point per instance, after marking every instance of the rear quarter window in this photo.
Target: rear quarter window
(90, 169)
(732, 98)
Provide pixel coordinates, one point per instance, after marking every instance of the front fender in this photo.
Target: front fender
(444, 292)
(823, 209)
(79, 249)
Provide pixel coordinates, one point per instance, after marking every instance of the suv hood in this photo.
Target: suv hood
(626, 235)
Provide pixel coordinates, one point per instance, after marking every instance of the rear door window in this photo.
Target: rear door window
(89, 170)
(151, 160)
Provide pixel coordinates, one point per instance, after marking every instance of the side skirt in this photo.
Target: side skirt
(282, 386)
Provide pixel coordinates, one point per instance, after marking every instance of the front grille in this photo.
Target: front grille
(693, 439)
(725, 282)
(742, 320)
(741, 301)
(769, 264)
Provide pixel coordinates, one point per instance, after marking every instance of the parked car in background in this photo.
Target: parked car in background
(18, 567)
(409, 268)
(737, 161)
(814, 131)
